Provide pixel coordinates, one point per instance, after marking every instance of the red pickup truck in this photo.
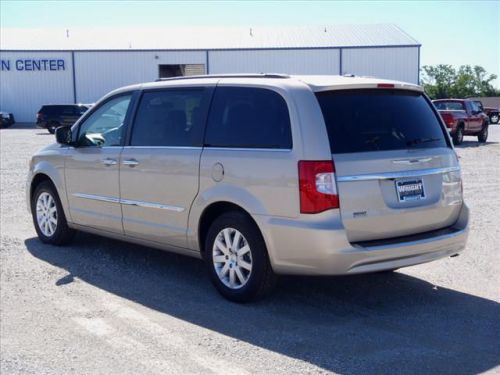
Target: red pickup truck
(463, 117)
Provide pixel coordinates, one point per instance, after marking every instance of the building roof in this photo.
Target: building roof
(196, 38)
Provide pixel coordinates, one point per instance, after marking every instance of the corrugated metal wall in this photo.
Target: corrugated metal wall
(392, 63)
(97, 73)
(303, 61)
(24, 92)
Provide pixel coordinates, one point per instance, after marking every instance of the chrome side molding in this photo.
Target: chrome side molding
(394, 175)
(97, 197)
(129, 202)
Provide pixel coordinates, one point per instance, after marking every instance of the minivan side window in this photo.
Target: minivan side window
(171, 117)
(105, 126)
(248, 117)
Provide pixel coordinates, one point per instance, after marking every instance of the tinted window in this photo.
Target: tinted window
(63, 110)
(80, 110)
(475, 107)
(105, 126)
(68, 110)
(174, 117)
(372, 120)
(47, 110)
(450, 106)
(248, 118)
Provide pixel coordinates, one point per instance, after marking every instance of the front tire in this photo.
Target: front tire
(52, 127)
(48, 216)
(237, 260)
(482, 137)
(494, 119)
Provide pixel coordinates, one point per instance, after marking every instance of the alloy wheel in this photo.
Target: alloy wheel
(232, 258)
(46, 214)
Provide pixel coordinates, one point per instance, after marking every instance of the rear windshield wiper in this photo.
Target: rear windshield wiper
(417, 141)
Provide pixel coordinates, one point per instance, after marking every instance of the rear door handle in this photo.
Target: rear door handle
(130, 162)
(109, 162)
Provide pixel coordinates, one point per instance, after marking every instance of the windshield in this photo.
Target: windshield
(379, 120)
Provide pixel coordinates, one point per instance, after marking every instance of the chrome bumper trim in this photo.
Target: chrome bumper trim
(394, 175)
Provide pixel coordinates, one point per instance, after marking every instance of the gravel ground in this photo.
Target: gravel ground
(106, 307)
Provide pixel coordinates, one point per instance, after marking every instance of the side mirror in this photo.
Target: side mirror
(64, 135)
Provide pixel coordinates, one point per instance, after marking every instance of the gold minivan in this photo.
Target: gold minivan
(259, 175)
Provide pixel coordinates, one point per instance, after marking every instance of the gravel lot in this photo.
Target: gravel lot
(106, 307)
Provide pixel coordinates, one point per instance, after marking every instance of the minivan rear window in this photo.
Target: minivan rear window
(364, 120)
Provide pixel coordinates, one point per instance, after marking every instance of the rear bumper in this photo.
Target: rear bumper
(319, 246)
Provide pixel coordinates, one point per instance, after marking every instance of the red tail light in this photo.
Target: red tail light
(448, 119)
(385, 86)
(39, 116)
(318, 191)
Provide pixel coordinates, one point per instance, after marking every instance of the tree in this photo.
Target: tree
(444, 81)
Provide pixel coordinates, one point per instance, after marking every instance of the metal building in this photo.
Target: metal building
(80, 65)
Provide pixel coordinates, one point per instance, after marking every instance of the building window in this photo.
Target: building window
(180, 70)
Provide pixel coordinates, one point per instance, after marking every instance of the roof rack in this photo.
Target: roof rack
(256, 75)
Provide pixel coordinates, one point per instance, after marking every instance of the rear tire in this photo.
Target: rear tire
(48, 216)
(458, 137)
(237, 259)
(482, 137)
(52, 127)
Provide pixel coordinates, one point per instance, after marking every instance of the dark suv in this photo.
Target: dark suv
(52, 116)
(6, 119)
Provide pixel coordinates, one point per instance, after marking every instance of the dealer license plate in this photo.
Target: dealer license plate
(410, 190)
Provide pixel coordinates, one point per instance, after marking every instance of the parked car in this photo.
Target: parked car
(259, 175)
(492, 113)
(52, 116)
(463, 117)
(6, 119)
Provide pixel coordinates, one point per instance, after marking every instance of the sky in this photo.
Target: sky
(451, 32)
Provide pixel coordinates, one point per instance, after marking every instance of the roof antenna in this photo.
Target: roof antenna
(251, 33)
(325, 29)
(67, 33)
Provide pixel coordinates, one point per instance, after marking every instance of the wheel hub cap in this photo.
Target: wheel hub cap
(46, 214)
(232, 258)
